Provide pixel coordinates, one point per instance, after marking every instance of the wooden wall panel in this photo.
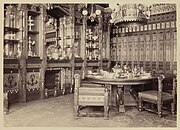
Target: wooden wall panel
(152, 46)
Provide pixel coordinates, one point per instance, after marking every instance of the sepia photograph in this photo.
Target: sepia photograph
(86, 64)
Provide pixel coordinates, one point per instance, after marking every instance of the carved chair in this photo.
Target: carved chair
(160, 96)
(90, 94)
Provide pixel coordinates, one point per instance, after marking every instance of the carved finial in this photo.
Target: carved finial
(77, 76)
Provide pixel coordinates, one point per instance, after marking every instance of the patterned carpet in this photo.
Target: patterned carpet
(58, 112)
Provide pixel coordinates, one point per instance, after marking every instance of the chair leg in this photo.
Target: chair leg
(46, 93)
(159, 110)
(140, 103)
(6, 106)
(173, 108)
(76, 111)
(6, 109)
(106, 112)
(106, 102)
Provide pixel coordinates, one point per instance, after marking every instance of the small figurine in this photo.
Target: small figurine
(12, 19)
(30, 43)
(126, 67)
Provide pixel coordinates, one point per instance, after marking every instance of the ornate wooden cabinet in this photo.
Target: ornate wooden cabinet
(96, 39)
(23, 42)
(152, 46)
(43, 49)
(59, 51)
(12, 50)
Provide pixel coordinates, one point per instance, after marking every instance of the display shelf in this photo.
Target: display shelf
(33, 32)
(93, 43)
(15, 29)
(12, 32)
(11, 41)
(77, 41)
(33, 12)
(50, 31)
(38, 42)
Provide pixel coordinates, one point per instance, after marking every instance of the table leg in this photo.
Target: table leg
(120, 98)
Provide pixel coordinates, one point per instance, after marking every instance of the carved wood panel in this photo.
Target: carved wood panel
(32, 81)
(154, 44)
(11, 82)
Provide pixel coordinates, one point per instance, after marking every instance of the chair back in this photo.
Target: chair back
(77, 80)
(166, 82)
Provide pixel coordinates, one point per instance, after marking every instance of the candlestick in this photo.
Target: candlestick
(30, 43)
(30, 23)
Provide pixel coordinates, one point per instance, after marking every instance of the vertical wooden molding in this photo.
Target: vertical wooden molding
(157, 51)
(72, 42)
(138, 60)
(21, 46)
(108, 51)
(116, 46)
(44, 57)
(84, 56)
(164, 52)
(132, 64)
(100, 41)
(144, 51)
(151, 47)
(22, 90)
(122, 47)
(172, 51)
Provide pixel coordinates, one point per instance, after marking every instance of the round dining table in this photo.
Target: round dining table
(123, 86)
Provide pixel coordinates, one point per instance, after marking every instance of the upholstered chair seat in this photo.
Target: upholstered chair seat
(160, 96)
(90, 94)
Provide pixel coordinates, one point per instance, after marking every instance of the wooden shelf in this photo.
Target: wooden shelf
(91, 48)
(50, 31)
(58, 61)
(77, 38)
(11, 29)
(11, 61)
(11, 40)
(33, 32)
(50, 41)
(33, 13)
(58, 65)
(92, 63)
(87, 40)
